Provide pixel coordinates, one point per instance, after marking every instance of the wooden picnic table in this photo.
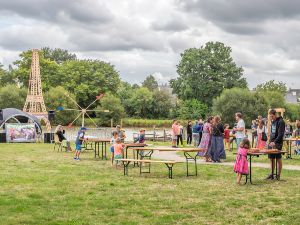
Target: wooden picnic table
(289, 142)
(130, 145)
(97, 142)
(186, 151)
(254, 152)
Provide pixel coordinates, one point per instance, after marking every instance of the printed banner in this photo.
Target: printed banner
(20, 132)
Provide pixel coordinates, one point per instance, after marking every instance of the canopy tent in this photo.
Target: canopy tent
(13, 115)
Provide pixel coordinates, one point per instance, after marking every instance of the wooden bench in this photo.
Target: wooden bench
(126, 163)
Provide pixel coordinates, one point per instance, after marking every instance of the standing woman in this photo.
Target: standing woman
(260, 130)
(216, 150)
(205, 140)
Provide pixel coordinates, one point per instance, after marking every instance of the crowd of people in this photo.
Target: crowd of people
(212, 137)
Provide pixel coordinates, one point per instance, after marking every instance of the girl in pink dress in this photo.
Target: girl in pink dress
(241, 163)
(206, 137)
(260, 129)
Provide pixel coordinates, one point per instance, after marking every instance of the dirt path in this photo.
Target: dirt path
(175, 157)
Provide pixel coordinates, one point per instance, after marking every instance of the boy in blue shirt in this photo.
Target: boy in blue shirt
(80, 138)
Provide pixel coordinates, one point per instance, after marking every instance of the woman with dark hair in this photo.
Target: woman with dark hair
(205, 140)
(216, 150)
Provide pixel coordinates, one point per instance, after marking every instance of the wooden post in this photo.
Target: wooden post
(164, 135)
(154, 138)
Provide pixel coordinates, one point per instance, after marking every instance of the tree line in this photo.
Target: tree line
(208, 82)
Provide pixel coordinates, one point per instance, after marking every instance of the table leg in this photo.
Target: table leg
(290, 150)
(95, 148)
(126, 154)
(105, 148)
(276, 169)
(249, 176)
(189, 157)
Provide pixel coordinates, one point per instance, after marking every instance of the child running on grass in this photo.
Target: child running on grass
(241, 163)
(80, 138)
(118, 150)
(227, 137)
(112, 142)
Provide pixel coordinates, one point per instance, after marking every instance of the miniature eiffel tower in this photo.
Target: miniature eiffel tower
(35, 104)
(35, 101)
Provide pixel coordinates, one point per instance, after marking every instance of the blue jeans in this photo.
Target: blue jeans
(196, 137)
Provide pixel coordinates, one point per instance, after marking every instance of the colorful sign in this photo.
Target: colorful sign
(20, 132)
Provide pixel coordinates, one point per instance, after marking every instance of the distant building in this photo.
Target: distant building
(293, 96)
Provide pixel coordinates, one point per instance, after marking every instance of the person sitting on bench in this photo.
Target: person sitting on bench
(59, 131)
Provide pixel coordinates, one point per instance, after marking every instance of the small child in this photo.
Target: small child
(118, 150)
(141, 137)
(227, 137)
(80, 138)
(241, 163)
(112, 142)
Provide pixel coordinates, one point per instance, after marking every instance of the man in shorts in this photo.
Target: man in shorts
(276, 141)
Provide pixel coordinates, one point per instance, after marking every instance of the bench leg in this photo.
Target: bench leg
(188, 158)
(126, 164)
(141, 165)
(170, 168)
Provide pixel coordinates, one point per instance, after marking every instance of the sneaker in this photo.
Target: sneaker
(75, 158)
(270, 177)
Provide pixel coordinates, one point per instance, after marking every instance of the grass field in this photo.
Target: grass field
(39, 186)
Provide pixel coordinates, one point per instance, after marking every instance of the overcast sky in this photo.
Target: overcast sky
(142, 37)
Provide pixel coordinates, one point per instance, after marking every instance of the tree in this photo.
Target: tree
(150, 83)
(272, 85)
(49, 70)
(292, 111)
(204, 73)
(274, 99)
(115, 107)
(140, 103)
(161, 105)
(192, 109)
(12, 97)
(5, 77)
(58, 55)
(57, 96)
(250, 104)
(87, 78)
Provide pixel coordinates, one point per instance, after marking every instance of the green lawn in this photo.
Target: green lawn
(39, 186)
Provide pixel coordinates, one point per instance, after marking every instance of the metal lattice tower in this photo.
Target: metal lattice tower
(35, 104)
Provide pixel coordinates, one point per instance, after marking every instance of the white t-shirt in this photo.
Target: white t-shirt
(240, 134)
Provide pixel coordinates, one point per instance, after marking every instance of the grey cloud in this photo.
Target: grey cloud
(238, 16)
(58, 11)
(171, 25)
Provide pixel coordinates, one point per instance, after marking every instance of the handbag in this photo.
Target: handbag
(264, 136)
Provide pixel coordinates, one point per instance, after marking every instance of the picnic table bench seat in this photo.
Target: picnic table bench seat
(168, 163)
